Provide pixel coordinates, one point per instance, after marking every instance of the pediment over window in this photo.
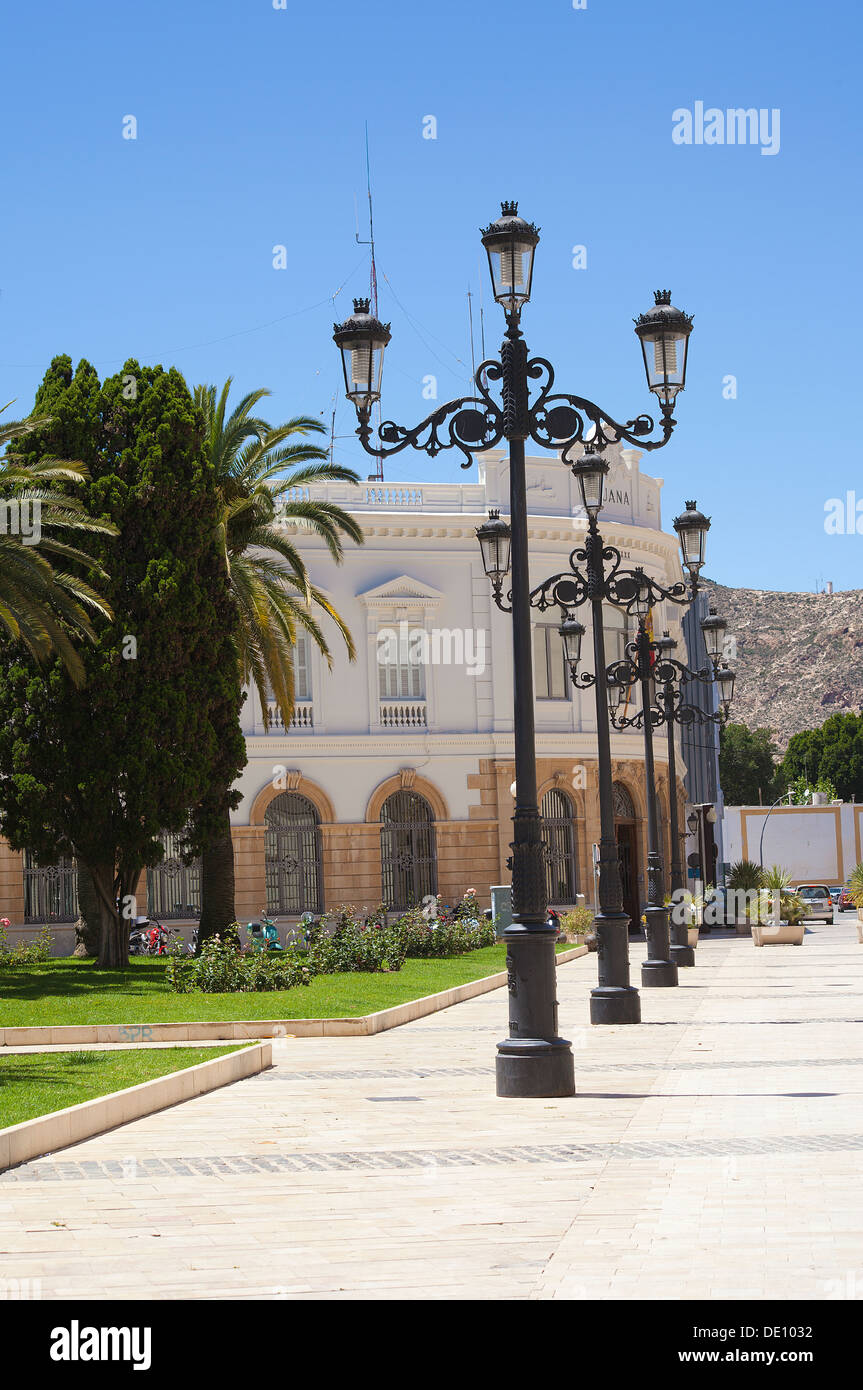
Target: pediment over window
(401, 591)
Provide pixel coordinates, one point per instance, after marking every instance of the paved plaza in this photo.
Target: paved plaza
(715, 1151)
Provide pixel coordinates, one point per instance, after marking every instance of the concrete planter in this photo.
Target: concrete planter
(860, 925)
(786, 934)
(692, 936)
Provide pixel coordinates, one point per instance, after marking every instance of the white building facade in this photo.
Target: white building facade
(394, 778)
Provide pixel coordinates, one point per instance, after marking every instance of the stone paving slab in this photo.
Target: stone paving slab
(715, 1151)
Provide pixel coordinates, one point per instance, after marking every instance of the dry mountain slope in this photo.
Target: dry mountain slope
(799, 656)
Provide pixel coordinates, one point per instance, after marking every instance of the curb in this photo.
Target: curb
(43, 1135)
(240, 1030)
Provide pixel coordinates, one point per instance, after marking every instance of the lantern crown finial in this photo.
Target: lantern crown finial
(662, 296)
(362, 306)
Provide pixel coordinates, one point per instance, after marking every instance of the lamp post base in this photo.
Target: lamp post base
(658, 974)
(682, 955)
(615, 1004)
(535, 1069)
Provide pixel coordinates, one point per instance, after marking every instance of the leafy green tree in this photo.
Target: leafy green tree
(47, 608)
(802, 758)
(152, 737)
(834, 753)
(261, 474)
(801, 789)
(747, 765)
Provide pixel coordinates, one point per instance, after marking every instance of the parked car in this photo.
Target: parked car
(845, 904)
(817, 900)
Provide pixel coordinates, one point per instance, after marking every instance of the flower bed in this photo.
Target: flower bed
(342, 941)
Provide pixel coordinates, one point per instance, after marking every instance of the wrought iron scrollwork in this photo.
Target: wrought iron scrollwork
(468, 424)
(559, 420)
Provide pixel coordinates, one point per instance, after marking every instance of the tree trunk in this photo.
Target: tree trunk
(217, 883)
(88, 927)
(113, 927)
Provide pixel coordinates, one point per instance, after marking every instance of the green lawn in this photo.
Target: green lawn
(36, 1083)
(76, 991)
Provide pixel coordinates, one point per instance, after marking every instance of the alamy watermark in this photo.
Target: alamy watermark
(844, 515)
(21, 517)
(758, 904)
(736, 125)
(440, 646)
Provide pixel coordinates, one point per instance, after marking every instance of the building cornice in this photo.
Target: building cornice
(583, 745)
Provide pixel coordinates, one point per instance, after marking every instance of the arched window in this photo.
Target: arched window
(293, 856)
(622, 802)
(558, 839)
(408, 850)
(174, 888)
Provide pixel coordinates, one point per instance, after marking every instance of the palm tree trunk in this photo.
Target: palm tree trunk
(217, 882)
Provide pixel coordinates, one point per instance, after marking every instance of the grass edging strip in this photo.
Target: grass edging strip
(57, 1130)
(241, 1029)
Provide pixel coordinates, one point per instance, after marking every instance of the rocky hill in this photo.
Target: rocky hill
(799, 656)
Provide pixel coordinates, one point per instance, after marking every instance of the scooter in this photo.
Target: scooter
(264, 935)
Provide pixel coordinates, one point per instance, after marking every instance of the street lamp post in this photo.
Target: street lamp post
(534, 1060)
(659, 968)
(636, 592)
(673, 677)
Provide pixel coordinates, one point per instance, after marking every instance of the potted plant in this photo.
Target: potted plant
(688, 909)
(746, 878)
(697, 910)
(773, 903)
(855, 893)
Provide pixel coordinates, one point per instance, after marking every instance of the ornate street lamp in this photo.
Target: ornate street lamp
(725, 681)
(510, 244)
(362, 340)
(672, 679)
(590, 472)
(534, 1060)
(692, 527)
(571, 633)
(713, 628)
(664, 334)
(495, 539)
(646, 664)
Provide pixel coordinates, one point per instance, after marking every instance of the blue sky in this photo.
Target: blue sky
(250, 134)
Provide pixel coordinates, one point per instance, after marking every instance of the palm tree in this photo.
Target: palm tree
(261, 473)
(41, 605)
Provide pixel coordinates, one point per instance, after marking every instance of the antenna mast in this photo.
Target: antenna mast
(378, 475)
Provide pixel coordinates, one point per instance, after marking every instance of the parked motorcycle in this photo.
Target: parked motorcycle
(147, 937)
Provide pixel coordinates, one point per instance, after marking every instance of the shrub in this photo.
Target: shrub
(855, 886)
(357, 946)
(25, 953)
(217, 970)
(744, 875)
(578, 922)
(223, 968)
(763, 910)
(443, 935)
